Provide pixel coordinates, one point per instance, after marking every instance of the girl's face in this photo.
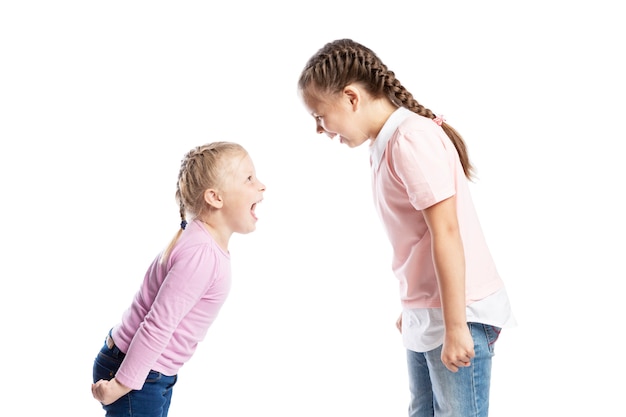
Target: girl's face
(241, 192)
(337, 116)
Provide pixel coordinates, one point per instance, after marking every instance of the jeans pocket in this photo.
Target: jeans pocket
(105, 367)
(153, 376)
(492, 333)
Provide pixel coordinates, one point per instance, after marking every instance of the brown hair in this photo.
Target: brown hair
(344, 62)
(200, 169)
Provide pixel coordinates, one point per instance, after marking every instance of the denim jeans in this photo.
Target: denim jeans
(436, 391)
(153, 400)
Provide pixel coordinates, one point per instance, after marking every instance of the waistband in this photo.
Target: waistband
(114, 350)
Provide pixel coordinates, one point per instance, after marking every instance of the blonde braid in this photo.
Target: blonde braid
(200, 169)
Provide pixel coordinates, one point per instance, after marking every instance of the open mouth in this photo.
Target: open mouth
(253, 209)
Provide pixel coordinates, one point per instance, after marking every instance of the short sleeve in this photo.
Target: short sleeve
(421, 162)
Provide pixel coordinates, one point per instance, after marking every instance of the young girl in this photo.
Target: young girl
(184, 287)
(454, 302)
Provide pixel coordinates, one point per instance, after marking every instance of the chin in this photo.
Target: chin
(352, 143)
(247, 230)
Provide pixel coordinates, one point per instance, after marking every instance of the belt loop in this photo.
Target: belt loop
(110, 343)
(109, 339)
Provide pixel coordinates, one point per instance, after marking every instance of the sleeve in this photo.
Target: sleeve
(190, 276)
(421, 162)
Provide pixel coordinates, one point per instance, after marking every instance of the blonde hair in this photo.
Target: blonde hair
(344, 62)
(200, 169)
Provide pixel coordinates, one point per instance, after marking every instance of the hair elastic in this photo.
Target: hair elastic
(439, 120)
(183, 224)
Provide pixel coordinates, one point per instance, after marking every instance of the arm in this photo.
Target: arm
(188, 279)
(449, 261)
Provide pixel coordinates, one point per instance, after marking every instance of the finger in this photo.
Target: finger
(454, 366)
(464, 364)
(451, 367)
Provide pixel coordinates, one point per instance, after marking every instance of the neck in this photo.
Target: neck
(218, 235)
(380, 111)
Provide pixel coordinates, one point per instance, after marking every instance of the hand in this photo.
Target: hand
(399, 323)
(107, 392)
(458, 348)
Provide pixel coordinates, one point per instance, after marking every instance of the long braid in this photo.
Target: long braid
(344, 61)
(398, 92)
(178, 196)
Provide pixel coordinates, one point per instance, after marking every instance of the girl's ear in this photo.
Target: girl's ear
(212, 198)
(352, 94)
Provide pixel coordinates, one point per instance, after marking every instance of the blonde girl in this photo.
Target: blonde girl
(184, 287)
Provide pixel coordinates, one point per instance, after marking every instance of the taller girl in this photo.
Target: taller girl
(454, 303)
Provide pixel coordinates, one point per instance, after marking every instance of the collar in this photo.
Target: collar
(380, 143)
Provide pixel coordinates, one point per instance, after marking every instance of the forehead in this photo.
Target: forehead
(318, 106)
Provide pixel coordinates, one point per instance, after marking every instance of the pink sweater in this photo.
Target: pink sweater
(175, 306)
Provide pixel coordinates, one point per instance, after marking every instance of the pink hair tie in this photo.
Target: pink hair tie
(439, 120)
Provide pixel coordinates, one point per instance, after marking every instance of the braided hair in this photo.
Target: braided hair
(200, 169)
(344, 61)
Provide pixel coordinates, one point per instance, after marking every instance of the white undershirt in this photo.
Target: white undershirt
(423, 328)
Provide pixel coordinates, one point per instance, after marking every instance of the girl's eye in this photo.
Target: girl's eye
(250, 178)
(318, 119)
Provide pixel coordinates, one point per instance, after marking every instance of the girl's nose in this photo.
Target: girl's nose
(321, 130)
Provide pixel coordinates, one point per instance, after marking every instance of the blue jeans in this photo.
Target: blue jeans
(153, 400)
(436, 391)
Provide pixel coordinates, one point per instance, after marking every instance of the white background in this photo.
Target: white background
(100, 100)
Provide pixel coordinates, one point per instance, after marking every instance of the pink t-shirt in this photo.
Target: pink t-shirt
(175, 306)
(414, 166)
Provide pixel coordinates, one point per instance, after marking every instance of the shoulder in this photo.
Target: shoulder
(196, 245)
(416, 126)
(419, 134)
(198, 261)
